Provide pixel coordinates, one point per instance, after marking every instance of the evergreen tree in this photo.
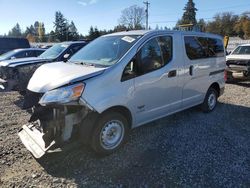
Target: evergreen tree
(61, 27)
(36, 26)
(15, 31)
(73, 33)
(52, 37)
(223, 24)
(30, 30)
(119, 28)
(41, 32)
(189, 15)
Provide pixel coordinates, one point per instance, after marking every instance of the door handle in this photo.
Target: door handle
(191, 70)
(172, 73)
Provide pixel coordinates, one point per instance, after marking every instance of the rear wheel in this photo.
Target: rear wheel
(210, 100)
(110, 133)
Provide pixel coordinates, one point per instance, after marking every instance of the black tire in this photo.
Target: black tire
(103, 130)
(22, 92)
(210, 100)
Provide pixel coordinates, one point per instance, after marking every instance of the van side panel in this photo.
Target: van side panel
(183, 91)
(198, 76)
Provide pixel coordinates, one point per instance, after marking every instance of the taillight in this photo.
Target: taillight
(225, 75)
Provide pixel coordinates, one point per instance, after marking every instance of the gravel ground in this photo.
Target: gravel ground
(187, 149)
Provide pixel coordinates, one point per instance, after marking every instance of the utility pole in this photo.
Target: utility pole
(147, 4)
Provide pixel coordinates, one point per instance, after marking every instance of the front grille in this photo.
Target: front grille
(237, 62)
(3, 73)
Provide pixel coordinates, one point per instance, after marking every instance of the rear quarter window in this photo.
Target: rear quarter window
(203, 47)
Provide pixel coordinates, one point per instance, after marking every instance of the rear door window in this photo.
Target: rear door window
(194, 48)
(216, 46)
(203, 47)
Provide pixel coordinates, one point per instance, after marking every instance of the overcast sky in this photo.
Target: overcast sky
(105, 13)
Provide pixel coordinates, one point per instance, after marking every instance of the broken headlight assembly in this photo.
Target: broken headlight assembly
(63, 95)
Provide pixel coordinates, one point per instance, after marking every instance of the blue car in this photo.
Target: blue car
(21, 53)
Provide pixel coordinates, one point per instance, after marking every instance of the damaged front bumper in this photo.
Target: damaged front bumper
(3, 84)
(51, 128)
(8, 79)
(32, 139)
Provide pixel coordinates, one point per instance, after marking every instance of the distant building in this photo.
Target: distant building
(234, 42)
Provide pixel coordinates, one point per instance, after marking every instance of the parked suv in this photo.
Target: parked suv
(15, 74)
(239, 61)
(121, 81)
(8, 44)
(21, 53)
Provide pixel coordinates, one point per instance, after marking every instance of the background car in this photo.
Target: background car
(239, 61)
(21, 53)
(8, 44)
(15, 74)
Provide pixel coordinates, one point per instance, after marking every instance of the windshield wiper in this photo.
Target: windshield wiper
(88, 64)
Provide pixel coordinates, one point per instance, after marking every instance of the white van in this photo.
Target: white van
(121, 81)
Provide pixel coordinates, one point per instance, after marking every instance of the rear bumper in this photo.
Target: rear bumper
(32, 139)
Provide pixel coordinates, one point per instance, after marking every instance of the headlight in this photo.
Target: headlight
(63, 95)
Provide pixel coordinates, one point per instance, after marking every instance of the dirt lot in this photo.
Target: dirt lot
(189, 149)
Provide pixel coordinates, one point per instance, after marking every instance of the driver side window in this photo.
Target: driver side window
(150, 57)
(153, 55)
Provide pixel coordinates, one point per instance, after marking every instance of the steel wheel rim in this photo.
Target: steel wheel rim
(112, 134)
(212, 101)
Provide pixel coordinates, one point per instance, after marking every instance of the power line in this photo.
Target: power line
(147, 4)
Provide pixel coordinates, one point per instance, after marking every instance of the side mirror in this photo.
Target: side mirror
(66, 56)
(13, 57)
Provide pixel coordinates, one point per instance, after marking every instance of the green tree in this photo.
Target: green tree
(189, 15)
(73, 33)
(93, 33)
(242, 27)
(30, 30)
(52, 37)
(119, 28)
(41, 32)
(15, 31)
(201, 24)
(223, 24)
(61, 26)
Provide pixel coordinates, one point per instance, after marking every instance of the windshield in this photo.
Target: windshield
(241, 50)
(54, 51)
(105, 51)
(7, 55)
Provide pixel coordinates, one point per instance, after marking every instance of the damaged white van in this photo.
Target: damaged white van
(118, 82)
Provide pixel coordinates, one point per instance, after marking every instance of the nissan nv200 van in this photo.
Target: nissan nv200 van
(121, 81)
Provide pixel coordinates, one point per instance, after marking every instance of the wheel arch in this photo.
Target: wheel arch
(216, 86)
(124, 111)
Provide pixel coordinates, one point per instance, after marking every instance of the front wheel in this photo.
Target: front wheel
(210, 100)
(110, 133)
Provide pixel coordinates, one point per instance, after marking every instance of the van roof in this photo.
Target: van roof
(144, 32)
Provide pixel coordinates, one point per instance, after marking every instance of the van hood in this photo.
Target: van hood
(22, 61)
(54, 75)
